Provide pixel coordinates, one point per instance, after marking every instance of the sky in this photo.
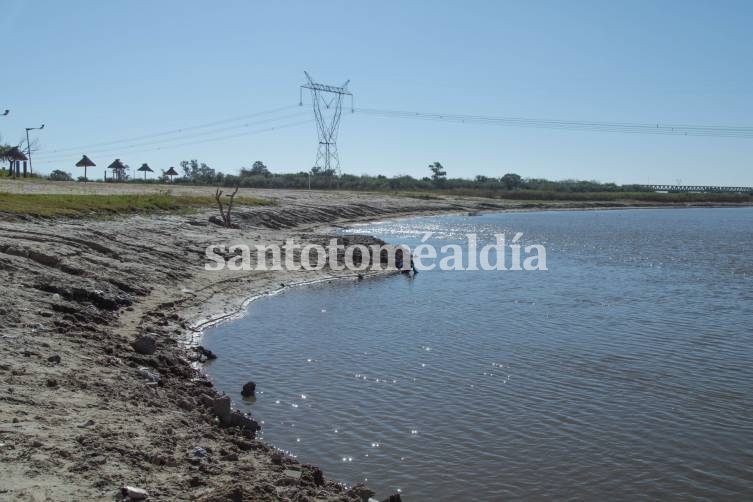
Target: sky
(97, 73)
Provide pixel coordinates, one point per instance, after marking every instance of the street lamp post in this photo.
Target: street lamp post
(28, 145)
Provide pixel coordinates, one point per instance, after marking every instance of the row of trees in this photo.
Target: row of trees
(260, 176)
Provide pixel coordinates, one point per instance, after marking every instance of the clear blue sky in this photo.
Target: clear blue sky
(99, 71)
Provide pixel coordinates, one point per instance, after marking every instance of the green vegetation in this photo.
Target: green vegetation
(438, 174)
(643, 196)
(58, 175)
(46, 205)
(509, 186)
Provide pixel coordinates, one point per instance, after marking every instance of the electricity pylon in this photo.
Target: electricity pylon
(327, 101)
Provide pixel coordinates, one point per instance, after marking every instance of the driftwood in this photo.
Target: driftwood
(225, 213)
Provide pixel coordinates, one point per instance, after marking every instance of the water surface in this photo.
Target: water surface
(624, 371)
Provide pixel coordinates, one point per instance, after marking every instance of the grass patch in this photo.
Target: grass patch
(48, 205)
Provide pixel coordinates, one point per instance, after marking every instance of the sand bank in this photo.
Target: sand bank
(80, 416)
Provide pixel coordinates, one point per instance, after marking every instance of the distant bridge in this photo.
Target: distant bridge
(696, 188)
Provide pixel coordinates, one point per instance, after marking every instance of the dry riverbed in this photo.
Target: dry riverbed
(84, 412)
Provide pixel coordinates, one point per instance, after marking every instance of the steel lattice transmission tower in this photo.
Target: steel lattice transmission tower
(327, 101)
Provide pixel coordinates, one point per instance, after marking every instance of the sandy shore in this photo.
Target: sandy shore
(81, 414)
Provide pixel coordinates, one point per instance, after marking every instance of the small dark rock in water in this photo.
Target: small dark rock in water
(15, 420)
(249, 389)
(394, 498)
(51, 382)
(145, 344)
(206, 353)
(36, 444)
(54, 359)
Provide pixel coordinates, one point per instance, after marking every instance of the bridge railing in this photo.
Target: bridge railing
(697, 188)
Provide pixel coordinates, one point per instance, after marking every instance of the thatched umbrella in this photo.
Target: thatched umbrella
(14, 155)
(18, 154)
(118, 169)
(145, 167)
(171, 172)
(85, 162)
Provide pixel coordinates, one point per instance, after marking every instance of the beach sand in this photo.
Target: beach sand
(79, 416)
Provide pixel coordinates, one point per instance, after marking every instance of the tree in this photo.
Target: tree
(438, 174)
(6, 155)
(225, 213)
(259, 169)
(58, 175)
(199, 173)
(24, 146)
(511, 181)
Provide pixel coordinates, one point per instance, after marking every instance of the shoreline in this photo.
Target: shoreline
(202, 324)
(79, 419)
(83, 291)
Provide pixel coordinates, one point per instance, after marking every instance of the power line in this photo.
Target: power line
(574, 125)
(172, 131)
(207, 140)
(167, 142)
(179, 138)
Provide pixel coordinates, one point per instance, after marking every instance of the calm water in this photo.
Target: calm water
(623, 372)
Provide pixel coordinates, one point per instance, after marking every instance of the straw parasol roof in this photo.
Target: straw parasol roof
(171, 172)
(145, 169)
(116, 164)
(16, 154)
(118, 170)
(85, 162)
